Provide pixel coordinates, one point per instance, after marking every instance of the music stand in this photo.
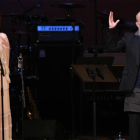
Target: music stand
(80, 70)
(100, 60)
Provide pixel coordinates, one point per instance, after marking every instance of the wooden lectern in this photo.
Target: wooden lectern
(81, 71)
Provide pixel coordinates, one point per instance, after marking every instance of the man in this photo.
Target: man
(130, 81)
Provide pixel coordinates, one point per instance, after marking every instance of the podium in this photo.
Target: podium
(80, 71)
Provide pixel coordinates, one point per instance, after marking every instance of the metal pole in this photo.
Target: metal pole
(2, 105)
(94, 110)
(95, 19)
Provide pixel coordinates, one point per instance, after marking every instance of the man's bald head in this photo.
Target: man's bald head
(138, 19)
(138, 16)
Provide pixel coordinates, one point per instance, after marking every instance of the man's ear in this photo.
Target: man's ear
(137, 24)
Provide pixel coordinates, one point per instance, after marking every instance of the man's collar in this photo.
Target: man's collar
(137, 32)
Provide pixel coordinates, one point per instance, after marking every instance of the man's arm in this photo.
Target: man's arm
(110, 40)
(112, 45)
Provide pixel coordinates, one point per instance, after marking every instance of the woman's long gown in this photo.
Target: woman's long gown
(4, 57)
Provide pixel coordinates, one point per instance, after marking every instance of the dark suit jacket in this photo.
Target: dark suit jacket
(131, 44)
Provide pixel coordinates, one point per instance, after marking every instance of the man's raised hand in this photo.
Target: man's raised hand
(112, 24)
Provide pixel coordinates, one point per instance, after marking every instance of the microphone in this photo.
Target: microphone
(39, 5)
(20, 61)
(99, 73)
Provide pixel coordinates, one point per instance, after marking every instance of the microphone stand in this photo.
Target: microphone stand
(95, 18)
(36, 6)
(27, 13)
(92, 74)
(72, 97)
(20, 65)
(2, 105)
(31, 20)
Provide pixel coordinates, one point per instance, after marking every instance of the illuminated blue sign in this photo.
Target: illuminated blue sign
(57, 28)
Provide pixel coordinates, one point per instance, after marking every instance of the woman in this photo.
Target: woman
(4, 57)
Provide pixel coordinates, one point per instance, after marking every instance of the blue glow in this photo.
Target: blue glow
(57, 28)
(13, 89)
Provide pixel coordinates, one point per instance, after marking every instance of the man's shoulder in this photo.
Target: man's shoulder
(129, 33)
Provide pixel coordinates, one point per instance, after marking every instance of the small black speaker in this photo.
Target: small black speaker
(43, 130)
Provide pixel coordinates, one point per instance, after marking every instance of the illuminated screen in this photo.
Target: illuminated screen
(41, 28)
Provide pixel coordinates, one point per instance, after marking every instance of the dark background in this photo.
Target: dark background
(121, 8)
(51, 89)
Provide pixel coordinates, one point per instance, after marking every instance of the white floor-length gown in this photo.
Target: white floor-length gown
(4, 57)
